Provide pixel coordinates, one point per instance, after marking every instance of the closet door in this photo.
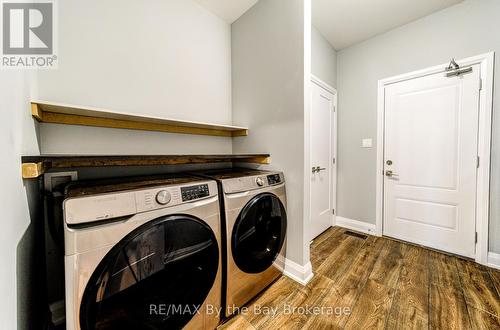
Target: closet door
(323, 164)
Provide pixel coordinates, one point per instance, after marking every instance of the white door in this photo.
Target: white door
(323, 104)
(430, 161)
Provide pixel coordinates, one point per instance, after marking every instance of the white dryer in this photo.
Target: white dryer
(254, 204)
(142, 254)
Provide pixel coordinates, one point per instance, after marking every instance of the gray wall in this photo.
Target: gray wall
(268, 96)
(17, 138)
(323, 58)
(467, 29)
(166, 58)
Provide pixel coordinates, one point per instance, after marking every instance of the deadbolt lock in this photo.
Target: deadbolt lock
(389, 162)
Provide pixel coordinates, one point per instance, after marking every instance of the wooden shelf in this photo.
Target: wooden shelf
(34, 166)
(58, 113)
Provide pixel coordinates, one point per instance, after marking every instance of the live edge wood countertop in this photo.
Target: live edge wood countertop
(34, 166)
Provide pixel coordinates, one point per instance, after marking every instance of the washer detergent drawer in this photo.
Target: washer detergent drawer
(102, 207)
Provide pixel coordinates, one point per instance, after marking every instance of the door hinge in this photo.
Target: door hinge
(480, 84)
(334, 108)
(475, 239)
(478, 161)
(334, 161)
(333, 211)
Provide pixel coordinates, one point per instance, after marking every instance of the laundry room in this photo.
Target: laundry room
(227, 164)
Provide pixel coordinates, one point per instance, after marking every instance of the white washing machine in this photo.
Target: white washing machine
(254, 204)
(142, 254)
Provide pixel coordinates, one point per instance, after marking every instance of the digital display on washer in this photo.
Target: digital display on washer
(194, 192)
(273, 179)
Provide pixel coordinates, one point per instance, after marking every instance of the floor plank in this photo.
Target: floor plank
(374, 304)
(330, 318)
(345, 292)
(377, 295)
(483, 320)
(410, 308)
(340, 259)
(272, 298)
(296, 310)
(387, 268)
(378, 283)
(324, 244)
(479, 290)
(443, 270)
(447, 306)
(236, 323)
(495, 277)
(325, 237)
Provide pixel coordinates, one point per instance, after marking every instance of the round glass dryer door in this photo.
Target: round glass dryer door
(259, 233)
(154, 278)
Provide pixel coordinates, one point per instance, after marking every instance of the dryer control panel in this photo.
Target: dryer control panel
(273, 179)
(248, 183)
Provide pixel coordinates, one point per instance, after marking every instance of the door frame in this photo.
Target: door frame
(486, 62)
(333, 184)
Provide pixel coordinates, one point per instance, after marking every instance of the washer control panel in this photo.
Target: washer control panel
(194, 192)
(119, 204)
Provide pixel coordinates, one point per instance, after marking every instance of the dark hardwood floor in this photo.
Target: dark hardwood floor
(378, 283)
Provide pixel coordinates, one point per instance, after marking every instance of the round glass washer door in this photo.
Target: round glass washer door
(154, 278)
(259, 233)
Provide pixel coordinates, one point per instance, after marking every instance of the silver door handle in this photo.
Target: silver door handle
(318, 169)
(391, 174)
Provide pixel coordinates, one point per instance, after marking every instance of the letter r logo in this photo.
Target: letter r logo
(27, 28)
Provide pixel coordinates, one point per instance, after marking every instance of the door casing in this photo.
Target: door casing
(486, 62)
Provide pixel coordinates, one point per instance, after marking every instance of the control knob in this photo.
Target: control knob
(163, 197)
(259, 182)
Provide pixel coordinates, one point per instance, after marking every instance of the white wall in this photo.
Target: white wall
(324, 59)
(464, 30)
(268, 95)
(63, 139)
(17, 138)
(167, 58)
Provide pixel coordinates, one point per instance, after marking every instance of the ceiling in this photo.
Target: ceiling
(228, 10)
(347, 22)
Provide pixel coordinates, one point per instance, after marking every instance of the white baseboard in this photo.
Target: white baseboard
(494, 260)
(357, 225)
(298, 273)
